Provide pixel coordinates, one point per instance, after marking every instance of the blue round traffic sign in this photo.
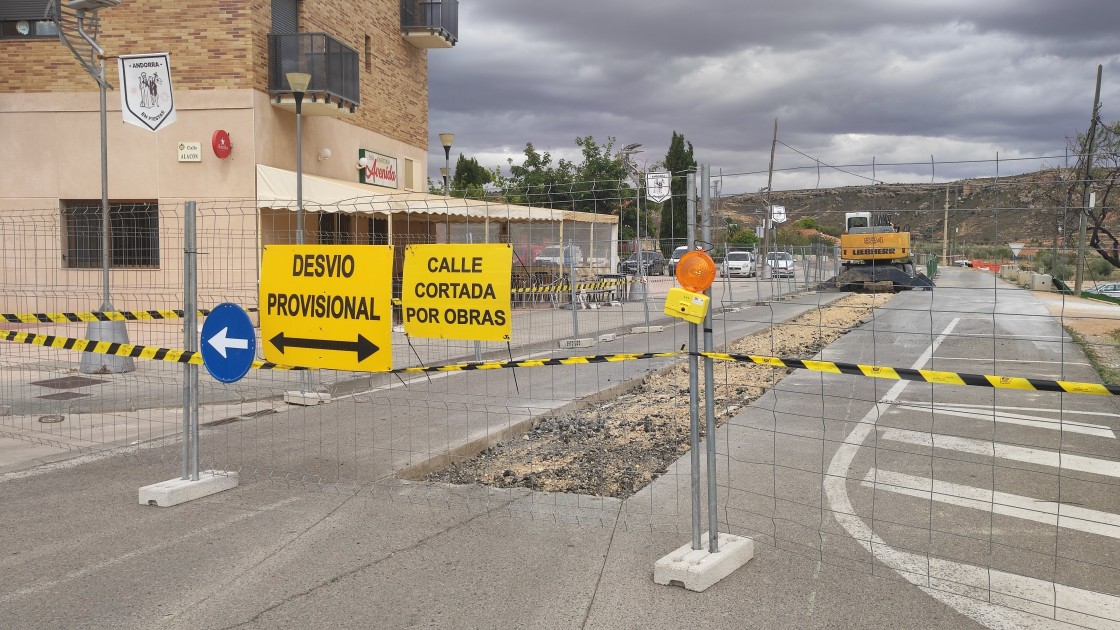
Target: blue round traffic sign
(229, 342)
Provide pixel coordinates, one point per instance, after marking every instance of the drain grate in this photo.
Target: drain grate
(51, 419)
(245, 416)
(69, 382)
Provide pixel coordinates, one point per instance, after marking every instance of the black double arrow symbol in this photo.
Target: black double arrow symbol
(363, 347)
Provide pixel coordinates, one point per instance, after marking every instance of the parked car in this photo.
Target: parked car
(550, 255)
(737, 264)
(781, 264)
(676, 257)
(653, 264)
(1111, 290)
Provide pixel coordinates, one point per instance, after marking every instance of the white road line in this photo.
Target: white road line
(1065, 412)
(1086, 608)
(1038, 422)
(1062, 461)
(1043, 604)
(973, 359)
(1027, 508)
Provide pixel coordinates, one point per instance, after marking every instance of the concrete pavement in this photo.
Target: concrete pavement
(80, 553)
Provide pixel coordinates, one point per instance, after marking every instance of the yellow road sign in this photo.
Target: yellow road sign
(328, 306)
(457, 292)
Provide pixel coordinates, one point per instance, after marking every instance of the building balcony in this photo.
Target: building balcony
(333, 66)
(430, 23)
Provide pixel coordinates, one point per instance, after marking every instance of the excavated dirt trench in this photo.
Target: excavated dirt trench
(616, 447)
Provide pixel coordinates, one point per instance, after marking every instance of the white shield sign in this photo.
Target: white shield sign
(657, 187)
(778, 214)
(146, 97)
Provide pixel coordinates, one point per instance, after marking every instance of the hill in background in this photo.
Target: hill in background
(988, 211)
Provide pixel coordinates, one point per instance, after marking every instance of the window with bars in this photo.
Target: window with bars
(133, 234)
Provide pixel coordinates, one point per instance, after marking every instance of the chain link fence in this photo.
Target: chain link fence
(998, 497)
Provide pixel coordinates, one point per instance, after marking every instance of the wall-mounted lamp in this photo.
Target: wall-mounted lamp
(324, 154)
(363, 162)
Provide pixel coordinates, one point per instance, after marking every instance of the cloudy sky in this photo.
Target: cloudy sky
(850, 82)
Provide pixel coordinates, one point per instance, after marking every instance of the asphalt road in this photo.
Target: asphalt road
(896, 534)
(977, 496)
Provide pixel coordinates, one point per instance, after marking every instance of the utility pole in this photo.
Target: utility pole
(1085, 203)
(945, 236)
(768, 239)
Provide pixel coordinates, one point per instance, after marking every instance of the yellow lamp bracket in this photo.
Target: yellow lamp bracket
(686, 305)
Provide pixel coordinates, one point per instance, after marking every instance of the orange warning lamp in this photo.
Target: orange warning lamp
(696, 271)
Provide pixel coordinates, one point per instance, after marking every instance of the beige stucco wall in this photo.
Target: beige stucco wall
(53, 145)
(276, 145)
(55, 151)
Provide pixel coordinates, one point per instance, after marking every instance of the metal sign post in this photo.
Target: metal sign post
(693, 382)
(709, 377)
(193, 484)
(691, 565)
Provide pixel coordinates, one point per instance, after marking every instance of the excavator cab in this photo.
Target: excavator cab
(857, 222)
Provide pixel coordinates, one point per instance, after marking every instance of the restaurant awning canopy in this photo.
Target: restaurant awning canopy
(276, 188)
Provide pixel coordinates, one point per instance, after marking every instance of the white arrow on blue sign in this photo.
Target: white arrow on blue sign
(229, 343)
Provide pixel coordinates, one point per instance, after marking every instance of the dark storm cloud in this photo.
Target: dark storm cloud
(891, 80)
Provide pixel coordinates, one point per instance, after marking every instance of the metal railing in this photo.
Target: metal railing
(333, 66)
(441, 16)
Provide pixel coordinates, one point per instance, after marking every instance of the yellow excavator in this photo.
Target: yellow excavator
(875, 256)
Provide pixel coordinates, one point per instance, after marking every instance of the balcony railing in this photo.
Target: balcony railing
(333, 67)
(430, 23)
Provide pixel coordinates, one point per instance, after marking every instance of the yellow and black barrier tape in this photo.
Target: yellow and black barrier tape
(927, 376)
(936, 377)
(600, 285)
(527, 363)
(98, 316)
(152, 353)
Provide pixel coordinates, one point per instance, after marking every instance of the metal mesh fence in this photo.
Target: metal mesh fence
(993, 496)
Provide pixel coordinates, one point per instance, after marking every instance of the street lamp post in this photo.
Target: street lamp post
(446, 139)
(78, 31)
(627, 151)
(642, 282)
(298, 82)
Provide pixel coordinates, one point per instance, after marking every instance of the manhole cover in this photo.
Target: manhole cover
(69, 382)
(51, 419)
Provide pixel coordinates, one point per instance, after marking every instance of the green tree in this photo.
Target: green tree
(537, 182)
(597, 184)
(600, 180)
(469, 178)
(680, 162)
(744, 237)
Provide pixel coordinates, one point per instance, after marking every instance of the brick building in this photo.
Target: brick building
(228, 59)
(367, 98)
